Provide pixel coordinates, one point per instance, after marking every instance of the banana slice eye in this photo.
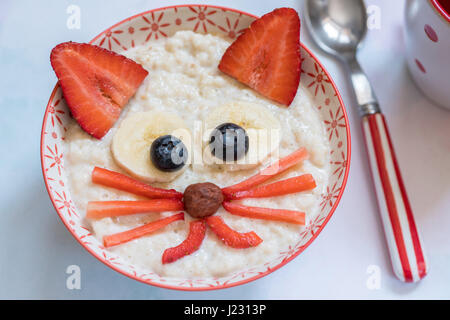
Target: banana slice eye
(261, 135)
(168, 153)
(138, 133)
(229, 142)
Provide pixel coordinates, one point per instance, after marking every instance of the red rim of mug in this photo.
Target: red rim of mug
(437, 5)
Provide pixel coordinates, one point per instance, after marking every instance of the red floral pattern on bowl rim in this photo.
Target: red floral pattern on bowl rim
(163, 22)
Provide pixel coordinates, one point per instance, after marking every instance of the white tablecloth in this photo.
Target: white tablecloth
(37, 249)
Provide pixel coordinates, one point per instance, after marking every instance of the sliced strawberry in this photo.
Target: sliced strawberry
(197, 231)
(231, 237)
(266, 57)
(122, 182)
(96, 83)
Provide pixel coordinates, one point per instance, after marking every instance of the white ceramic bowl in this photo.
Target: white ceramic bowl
(164, 22)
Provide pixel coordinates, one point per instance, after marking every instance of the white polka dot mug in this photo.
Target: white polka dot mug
(427, 38)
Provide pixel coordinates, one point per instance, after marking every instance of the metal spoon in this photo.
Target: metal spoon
(338, 26)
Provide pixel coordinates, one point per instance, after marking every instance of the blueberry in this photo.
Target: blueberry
(168, 153)
(229, 142)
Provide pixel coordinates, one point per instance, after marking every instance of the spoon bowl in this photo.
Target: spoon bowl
(337, 26)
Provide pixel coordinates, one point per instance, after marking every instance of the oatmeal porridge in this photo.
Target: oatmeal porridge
(185, 84)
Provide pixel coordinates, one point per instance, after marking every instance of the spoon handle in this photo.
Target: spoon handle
(405, 247)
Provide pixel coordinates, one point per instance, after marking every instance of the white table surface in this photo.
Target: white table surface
(36, 248)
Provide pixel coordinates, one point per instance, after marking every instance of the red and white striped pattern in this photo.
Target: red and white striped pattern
(406, 250)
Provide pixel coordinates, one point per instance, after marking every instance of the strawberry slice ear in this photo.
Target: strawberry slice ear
(266, 57)
(96, 83)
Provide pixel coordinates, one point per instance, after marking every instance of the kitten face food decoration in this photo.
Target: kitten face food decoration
(152, 150)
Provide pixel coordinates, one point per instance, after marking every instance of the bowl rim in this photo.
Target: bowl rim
(222, 286)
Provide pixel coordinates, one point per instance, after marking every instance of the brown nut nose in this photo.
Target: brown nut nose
(202, 199)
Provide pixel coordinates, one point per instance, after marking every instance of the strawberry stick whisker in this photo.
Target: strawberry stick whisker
(279, 188)
(125, 183)
(122, 237)
(282, 215)
(231, 237)
(274, 169)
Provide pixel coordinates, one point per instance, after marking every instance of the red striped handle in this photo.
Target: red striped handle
(406, 250)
